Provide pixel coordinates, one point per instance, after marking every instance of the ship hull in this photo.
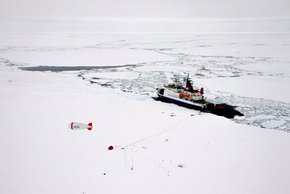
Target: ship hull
(179, 102)
(225, 110)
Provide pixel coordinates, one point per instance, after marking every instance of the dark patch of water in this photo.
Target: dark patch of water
(70, 68)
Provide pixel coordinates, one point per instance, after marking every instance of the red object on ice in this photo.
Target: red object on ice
(90, 126)
(201, 91)
(110, 147)
(219, 107)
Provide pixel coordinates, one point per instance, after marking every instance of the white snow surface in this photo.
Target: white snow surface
(158, 147)
(84, 57)
(273, 124)
(252, 86)
(113, 75)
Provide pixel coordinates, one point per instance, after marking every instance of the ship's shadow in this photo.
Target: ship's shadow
(225, 110)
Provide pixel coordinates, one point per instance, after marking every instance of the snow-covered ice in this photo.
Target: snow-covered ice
(158, 147)
(273, 124)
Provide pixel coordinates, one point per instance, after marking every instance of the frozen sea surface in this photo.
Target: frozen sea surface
(48, 80)
(247, 70)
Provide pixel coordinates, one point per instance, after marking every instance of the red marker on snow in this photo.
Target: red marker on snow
(111, 147)
(80, 126)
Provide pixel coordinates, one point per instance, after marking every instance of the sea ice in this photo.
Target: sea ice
(272, 124)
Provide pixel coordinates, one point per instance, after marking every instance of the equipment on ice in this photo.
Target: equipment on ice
(80, 126)
(193, 98)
